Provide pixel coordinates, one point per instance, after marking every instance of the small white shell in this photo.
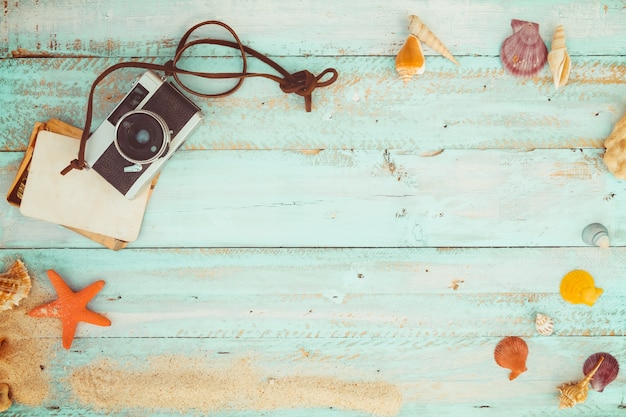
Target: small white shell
(558, 59)
(14, 286)
(544, 324)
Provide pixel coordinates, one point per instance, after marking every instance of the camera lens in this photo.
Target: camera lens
(141, 136)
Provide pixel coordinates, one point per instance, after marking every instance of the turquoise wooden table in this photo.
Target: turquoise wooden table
(363, 259)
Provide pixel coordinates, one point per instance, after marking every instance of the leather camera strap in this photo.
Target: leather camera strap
(301, 83)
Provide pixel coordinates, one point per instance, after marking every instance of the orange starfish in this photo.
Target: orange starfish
(71, 307)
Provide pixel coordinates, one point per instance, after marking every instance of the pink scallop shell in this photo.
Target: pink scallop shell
(524, 53)
(605, 374)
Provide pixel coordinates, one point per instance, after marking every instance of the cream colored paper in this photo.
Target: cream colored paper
(80, 199)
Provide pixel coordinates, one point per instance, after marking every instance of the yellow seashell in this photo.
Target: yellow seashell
(419, 29)
(558, 58)
(573, 393)
(578, 287)
(14, 286)
(410, 60)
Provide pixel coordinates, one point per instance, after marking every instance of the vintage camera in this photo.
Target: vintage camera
(130, 147)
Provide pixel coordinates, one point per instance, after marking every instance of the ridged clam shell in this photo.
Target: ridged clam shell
(606, 373)
(511, 353)
(419, 29)
(615, 155)
(573, 393)
(558, 58)
(544, 324)
(14, 286)
(578, 287)
(410, 60)
(5, 397)
(524, 53)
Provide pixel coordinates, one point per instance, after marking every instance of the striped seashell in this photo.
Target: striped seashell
(524, 54)
(558, 58)
(419, 29)
(606, 373)
(511, 353)
(544, 324)
(14, 286)
(410, 60)
(573, 393)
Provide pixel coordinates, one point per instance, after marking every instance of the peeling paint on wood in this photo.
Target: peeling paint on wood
(389, 238)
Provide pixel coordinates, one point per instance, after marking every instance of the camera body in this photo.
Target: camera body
(130, 147)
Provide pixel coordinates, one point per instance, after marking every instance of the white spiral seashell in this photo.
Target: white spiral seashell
(419, 29)
(544, 324)
(558, 59)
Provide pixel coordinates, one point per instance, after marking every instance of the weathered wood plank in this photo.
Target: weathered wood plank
(475, 106)
(349, 293)
(457, 198)
(375, 27)
(433, 376)
(311, 251)
(4, 36)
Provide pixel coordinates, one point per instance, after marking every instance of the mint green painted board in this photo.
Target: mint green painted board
(338, 293)
(330, 243)
(372, 27)
(369, 107)
(362, 199)
(435, 376)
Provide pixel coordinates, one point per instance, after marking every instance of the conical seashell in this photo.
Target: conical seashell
(14, 285)
(615, 155)
(511, 353)
(524, 53)
(606, 373)
(419, 29)
(573, 393)
(596, 234)
(544, 324)
(577, 287)
(558, 58)
(410, 60)
(5, 397)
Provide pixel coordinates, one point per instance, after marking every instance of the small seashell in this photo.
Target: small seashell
(5, 397)
(578, 287)
(524, 53)
(596, 234)
(419, 29)
(606, 373)
(573, 393)
(615, 155)
(558, 58)
(544, 324)
(14, 286)
(511, 353)
(410, 60)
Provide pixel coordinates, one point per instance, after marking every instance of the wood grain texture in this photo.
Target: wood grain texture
(432, 340)
(390, 238)
(374, 27)
(344, 293)
(458, 377)
(362, 199)
(474, 106)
